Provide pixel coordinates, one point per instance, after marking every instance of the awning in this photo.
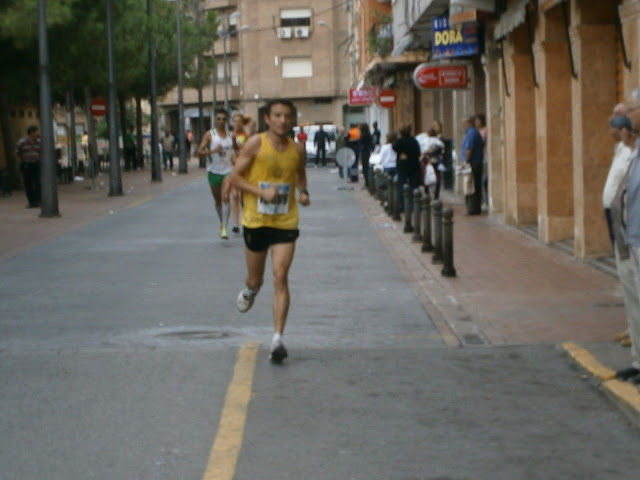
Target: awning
(484, 5)
(510, 20)
(412, 21)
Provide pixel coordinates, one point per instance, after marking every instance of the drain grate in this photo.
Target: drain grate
(195, 335)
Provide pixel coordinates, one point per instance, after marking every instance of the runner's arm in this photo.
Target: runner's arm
(303, 197)
(203, 148)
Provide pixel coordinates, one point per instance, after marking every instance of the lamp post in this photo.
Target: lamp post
(182, 159)
(156, 174)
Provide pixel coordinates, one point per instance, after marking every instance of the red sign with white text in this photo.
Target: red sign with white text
(428, 76)
(363, 96)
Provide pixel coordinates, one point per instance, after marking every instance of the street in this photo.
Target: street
(122, 356)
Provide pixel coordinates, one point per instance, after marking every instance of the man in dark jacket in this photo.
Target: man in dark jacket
(320, 141)
(408, 168)
(472, 155)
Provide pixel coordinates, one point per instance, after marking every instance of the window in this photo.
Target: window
(235, 73)
(295, 17)
(297, 67)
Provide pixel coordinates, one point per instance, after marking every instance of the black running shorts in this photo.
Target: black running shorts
(260, 239)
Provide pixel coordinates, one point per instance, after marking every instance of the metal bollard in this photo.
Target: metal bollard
(381, 184)
(437, 232)
(427, 246)
(448, 269)
(408, 201)
(417, 214)
(387, 193)
(396, 205)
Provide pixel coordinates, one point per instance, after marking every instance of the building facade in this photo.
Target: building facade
(547, 76)
(296, 49)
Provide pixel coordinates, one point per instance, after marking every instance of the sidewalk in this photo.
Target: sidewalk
(512, 289)
(509, 289)
(80, 203)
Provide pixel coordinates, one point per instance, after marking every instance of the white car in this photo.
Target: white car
(310, 130)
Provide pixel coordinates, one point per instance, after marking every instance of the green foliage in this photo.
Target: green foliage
(380, 36)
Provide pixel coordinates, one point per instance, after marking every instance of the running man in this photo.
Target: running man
(268, 170)
(217, 146)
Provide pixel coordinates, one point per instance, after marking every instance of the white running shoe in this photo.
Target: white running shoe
(278, 352)
(224, 234)
(245, 299)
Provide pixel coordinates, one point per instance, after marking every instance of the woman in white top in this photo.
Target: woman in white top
(388, 155)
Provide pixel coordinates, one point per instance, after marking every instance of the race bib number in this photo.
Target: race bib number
(280, 205)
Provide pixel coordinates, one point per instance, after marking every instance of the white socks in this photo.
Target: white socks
(226, 212)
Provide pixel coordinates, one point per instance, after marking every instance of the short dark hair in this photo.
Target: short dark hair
(31, 129)
(482, 118)
(278, 101)
(221, 110)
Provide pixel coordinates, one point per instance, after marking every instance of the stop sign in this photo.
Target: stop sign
(98, 107)
(387, 98)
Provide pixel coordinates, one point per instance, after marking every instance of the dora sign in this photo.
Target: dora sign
(451, 41)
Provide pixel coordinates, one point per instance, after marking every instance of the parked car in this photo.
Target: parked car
(310, 130)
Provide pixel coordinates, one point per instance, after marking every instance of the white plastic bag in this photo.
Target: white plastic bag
(430, 175)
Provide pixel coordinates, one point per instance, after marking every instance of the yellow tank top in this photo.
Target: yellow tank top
(273, 167)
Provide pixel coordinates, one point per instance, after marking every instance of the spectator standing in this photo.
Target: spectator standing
(353, 142)
(408, 168)
(129, 143)
(629, 236)
(302, 136)
(320, 141)
(375, 134)
(481, 125)
(433, 154)
(471, 152)
(167, 149)
(621, 129)
(388, 155)
(28, 152)
(366, 147)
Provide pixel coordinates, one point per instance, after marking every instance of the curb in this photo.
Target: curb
(624, 394)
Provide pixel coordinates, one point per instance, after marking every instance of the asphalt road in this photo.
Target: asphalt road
(121, 358)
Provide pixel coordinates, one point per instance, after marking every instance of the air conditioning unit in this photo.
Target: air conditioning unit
(284, 32)
(301, 32)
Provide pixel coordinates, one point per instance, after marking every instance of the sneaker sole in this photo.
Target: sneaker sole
(278, 355)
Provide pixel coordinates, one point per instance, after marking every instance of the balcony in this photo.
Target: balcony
(216, 4)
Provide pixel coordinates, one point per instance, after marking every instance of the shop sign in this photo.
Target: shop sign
(428, 75)
(363, 96)
(454, 40)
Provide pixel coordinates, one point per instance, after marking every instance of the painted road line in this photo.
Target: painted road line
(625, 394)
(588, 362)
(228, 441)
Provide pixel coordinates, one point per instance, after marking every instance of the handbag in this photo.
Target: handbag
(430, 175)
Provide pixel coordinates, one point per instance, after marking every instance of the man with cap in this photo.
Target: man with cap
(625, 172)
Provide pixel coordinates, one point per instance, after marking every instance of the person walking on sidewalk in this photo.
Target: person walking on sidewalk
(621, 130)
(408, 166)
(268, 171)
(217, 146)
(28, 152)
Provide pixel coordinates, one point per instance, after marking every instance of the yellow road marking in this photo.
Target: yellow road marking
(141, 200)
(226, 446)
(588, 362)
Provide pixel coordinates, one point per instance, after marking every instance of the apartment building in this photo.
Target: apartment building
(297, 49)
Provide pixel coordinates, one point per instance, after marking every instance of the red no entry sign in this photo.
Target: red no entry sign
(387, 98)
(98, 107)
